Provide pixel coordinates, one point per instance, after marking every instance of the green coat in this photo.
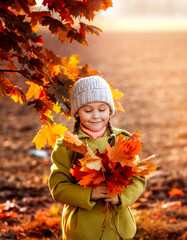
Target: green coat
(82, 218)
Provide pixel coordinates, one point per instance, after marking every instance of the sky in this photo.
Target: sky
(143, 15)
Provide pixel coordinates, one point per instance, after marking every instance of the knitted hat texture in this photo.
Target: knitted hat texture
(90, 89)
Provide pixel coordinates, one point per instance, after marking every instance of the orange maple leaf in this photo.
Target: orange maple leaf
(145, 166)
(34, 90)
(158, 215)
(92, 161)
(116, 166)
(93, 177)
(125, 150)
(62, 34)
(8, 88)
(172, 220)
(38, 17)
(87, 176)
(70, 141)
(114, 189)
(176, 191)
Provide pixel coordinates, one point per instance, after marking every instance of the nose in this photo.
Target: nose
(95, 114)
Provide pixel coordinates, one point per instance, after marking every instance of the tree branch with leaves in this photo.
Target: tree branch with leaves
(49, 77)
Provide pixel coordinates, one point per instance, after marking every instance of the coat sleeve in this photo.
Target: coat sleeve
(61, 183)
(132, 192)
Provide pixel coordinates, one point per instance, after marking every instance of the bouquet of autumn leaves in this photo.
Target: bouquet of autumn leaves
(116, 166)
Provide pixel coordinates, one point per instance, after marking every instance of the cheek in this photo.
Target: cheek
(106, 116)
(83, 118)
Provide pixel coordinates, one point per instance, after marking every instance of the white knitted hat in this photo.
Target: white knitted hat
(90, 89)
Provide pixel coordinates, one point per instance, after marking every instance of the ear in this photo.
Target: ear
(76, 115)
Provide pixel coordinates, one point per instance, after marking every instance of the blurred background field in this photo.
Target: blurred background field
(150, 68)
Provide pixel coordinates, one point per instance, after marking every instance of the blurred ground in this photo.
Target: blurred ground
(150, 69)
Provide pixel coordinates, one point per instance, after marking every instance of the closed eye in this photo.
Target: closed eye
(87, 111)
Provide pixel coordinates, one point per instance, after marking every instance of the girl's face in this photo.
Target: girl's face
(94, 116)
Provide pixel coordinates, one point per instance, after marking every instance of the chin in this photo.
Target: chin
(95, 129)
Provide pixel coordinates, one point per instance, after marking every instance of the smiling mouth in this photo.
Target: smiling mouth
(95, 122)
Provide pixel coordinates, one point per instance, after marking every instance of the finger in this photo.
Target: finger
(103, 187)
(103, 190)
(109, 196)
(103, 195)
(108, 200)
(103, 184)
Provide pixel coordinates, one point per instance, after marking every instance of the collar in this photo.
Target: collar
(83, 135)
(117, 132)
(93, 134)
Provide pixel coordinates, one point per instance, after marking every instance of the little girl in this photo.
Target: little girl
(83, 213)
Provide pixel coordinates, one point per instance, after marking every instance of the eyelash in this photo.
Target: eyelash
(101, 110)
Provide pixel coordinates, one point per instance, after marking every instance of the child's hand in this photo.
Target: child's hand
(112, 199)
(99, 192)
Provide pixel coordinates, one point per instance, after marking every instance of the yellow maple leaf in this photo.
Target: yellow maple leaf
(74, 60)
(118, 106)
(56, 108)
(33, 91)
(70, 67)
(55, 69)
(49, 134)
(48, 115)
(116, 94)
(18, 95)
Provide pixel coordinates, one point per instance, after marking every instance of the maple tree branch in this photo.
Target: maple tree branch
(9, 70)
(5, 70)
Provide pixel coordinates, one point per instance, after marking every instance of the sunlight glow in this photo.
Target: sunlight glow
(115, 19)
(141, 24)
